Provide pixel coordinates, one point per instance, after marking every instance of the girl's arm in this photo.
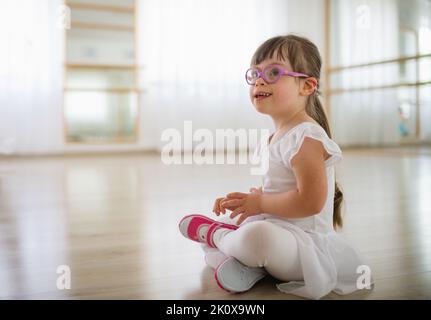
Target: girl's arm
(309, 197)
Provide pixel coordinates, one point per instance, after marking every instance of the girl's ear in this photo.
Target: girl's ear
(309, 86)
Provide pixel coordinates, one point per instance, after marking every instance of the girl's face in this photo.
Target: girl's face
(284, 95)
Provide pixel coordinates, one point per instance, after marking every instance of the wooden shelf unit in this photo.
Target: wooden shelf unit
(95, 67)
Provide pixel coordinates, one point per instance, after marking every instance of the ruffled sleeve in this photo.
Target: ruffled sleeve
(261, 146)
(257, 149)
(295, 140)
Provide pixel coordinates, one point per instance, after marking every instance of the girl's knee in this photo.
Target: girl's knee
(257, 235)
(269, 243)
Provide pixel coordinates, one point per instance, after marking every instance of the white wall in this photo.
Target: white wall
(225, 105)
(32, 124)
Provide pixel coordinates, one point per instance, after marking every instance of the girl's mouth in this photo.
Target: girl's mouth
(262, 95)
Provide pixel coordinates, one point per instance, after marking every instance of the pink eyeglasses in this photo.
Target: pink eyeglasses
(270, 74)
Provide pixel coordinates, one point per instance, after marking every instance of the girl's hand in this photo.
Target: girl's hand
(247, 204)
(217, 209)
(258, 190)
(220, 207)
(221, 204)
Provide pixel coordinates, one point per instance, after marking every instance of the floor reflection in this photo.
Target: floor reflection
(114, 219)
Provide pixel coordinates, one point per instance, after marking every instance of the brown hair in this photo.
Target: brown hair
(304, 57)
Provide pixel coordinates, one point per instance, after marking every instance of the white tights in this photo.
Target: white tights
(258, 244)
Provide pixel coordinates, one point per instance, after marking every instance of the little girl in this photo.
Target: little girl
(286, 227)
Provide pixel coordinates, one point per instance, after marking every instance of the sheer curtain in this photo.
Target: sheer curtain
(194, 53)
(365, 31)
(30, 76)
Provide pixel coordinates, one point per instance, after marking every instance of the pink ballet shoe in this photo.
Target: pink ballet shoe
(190, 227)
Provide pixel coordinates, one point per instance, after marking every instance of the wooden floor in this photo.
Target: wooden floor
(113, 220)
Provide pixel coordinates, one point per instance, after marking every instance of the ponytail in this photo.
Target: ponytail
(315, 110)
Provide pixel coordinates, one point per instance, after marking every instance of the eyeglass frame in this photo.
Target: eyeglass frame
(261, 74)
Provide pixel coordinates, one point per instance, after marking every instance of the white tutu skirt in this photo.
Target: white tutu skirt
(329, 262)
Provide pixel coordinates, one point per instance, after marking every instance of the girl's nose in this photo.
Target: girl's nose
(259, 81)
